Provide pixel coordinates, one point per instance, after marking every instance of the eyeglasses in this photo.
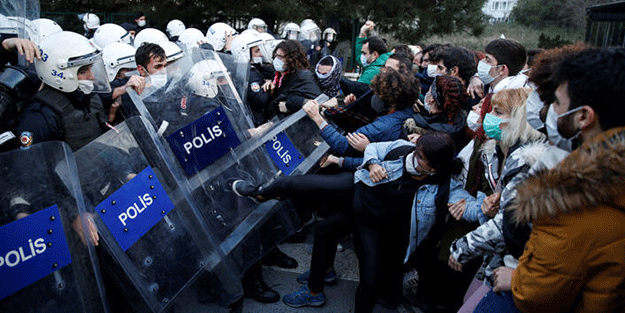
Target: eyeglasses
(280, 56)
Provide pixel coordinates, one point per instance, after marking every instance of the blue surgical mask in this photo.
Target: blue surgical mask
(491, 126)
(278, 65)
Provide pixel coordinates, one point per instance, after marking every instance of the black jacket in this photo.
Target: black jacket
(295, 90)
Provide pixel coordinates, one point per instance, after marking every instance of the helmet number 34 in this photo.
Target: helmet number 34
(58, 74)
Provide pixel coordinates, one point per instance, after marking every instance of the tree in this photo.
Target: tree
(560, 13)
(407, 20)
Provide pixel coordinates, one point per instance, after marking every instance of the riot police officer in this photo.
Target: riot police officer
(65, 108)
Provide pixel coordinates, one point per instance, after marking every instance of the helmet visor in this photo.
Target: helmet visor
(93, 63)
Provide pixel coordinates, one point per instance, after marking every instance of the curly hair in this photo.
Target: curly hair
(295, 57)
(395, 89)
(545, 64)
(451, 93)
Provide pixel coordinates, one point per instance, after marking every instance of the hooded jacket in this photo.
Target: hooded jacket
(575, 257)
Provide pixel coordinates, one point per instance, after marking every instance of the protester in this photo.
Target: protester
(293, 83)
(573, 259)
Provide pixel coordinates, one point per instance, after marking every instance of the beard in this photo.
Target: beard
(566, 126)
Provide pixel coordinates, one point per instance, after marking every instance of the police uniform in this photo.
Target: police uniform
(73, 117)
(257, 98)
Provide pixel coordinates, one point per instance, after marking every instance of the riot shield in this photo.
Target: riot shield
(238, 71)
(47, 258)
(15, 20)
(154, 243)
(212, 145)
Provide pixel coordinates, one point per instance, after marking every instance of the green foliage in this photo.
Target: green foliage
(559, 13)
(527, 36)
(546, 42)
(406, 20)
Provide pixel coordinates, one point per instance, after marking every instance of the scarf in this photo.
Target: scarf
(329, 82)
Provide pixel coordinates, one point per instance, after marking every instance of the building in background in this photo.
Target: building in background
(499, 10)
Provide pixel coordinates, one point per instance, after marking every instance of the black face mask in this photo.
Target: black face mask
(377, 104)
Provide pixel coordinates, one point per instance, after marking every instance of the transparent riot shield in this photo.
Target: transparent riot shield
(154, 243)
(15, 20)
(238, 71)
(211, 141)
(47, 258)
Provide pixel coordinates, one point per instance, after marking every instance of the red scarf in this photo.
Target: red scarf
(277, 79)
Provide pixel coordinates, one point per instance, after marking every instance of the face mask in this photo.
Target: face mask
(363, 60)
(472, 121)
(491, 126)
(141, 23)
(257, 60)
(426, 103)
(411, 166)
(533, 105)
(432, 70)
(377, 104)
(554, 136)
(278, 65)
(483, 70)
(158, 80)
(86, 86)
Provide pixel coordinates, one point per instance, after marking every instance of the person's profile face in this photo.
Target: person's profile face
(324, 69)
(392, 63)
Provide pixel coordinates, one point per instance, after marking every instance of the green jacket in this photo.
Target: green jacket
(372, 69)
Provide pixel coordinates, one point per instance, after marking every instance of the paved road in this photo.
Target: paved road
(339, 296)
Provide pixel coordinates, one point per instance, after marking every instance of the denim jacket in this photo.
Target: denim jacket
(423, 213)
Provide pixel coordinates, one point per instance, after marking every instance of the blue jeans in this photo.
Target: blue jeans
(500, 302)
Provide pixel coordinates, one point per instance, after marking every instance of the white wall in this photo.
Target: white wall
(498, 10)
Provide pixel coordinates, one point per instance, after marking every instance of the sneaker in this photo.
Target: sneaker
(411, 280)
(329, 278)
(244, 188)
(304, 297)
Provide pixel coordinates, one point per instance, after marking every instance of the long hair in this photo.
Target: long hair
(453, 96)
(295, 57)
(512, 101)
(439, 150)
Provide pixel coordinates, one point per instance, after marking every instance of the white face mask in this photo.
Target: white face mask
(554, 136)
(363, 60)
(533, 105)
(410, 166)
(141, 23)
(483, 72)
(472, 121)
(86, 86)
(432, 70)
(158, 80)
(257, 60)
(278, 65)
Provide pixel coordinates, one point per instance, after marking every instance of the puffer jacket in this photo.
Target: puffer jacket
(574, 260)
(488, 239)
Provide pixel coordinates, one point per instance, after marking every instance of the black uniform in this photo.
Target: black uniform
(72, 117)
(257, 98)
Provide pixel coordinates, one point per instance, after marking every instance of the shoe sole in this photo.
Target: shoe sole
(234, 189)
